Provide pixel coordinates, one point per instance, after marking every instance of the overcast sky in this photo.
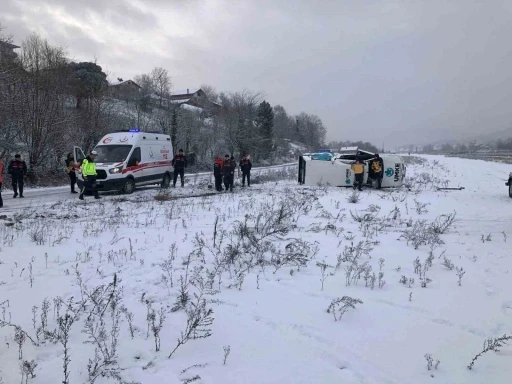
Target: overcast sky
(392, 72)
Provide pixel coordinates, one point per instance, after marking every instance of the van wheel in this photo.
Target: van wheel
(129, 186)
(510, 188)
(166, 182)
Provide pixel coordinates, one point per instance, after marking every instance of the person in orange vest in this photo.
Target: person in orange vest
(358, 169)
(376, 170)
(217, 173)
(1, 181)
(70, 170)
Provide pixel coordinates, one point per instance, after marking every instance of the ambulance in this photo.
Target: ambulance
(335, 170)
(130, 158)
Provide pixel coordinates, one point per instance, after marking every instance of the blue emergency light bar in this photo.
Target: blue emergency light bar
(134, 130)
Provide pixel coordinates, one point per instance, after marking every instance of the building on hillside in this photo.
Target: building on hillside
(483, 148)
(194, 98)
(124, 89)
(7, 51)
(190, 99)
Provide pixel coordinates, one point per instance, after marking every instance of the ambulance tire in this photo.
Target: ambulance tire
(129, 186)
(166, 182)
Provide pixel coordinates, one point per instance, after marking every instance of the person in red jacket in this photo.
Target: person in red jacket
(18, 170)
(217, 173)
(228, 172)
(245, 166)
(179, 163)
(1, 181)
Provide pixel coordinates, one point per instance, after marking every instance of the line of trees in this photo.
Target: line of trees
(49, 103)
(364, 145)
(471, 147)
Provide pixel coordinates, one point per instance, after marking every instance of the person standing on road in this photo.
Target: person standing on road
(179, 163)
(1, 181)
(376, 169)
(70, 170)
(358, 169)
(217, 173)
(228, 172)
(18, 170)
(89, 174)
(245, 166)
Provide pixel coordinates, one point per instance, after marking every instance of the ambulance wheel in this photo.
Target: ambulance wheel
(510, 188)
(166, 182)
(129, 186)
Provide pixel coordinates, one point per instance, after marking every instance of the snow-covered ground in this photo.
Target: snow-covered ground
(104, 284)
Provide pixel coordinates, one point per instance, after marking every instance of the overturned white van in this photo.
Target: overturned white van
(131, 158)
(337, 171)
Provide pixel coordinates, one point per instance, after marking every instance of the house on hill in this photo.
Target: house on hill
(190, 99)
(195, 98)
(7, 51)
(124, 89)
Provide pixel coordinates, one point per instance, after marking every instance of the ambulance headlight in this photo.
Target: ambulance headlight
(115, 170)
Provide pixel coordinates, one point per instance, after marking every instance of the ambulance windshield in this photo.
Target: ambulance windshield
(112, 153)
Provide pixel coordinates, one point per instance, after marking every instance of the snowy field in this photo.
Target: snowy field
(278, 283)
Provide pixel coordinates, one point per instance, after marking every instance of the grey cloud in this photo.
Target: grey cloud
(392, 72)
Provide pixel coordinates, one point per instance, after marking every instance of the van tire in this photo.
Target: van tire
(509, 188)
(166, 182)
(129, 186)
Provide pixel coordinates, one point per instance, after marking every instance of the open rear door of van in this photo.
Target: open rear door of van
(78, 156)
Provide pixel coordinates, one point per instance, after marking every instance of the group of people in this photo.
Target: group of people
(375, 171)
(224, 172)
(18, 170)
(88, 174)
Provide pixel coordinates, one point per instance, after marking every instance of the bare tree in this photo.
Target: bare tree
(211, 92)
(43, 108)
(8, 71)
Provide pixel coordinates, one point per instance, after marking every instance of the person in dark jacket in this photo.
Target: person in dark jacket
(245, 166)
(70, 170)
(18, 170)
(228, 172)
(217, 173)
(179, 163)
(376, 170)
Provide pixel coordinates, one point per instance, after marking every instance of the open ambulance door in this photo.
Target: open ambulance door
(302, 170)
(78, 156)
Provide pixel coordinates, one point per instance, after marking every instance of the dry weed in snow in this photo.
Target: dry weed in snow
(149, 287)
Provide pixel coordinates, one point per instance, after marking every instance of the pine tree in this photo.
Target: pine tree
(265, 126)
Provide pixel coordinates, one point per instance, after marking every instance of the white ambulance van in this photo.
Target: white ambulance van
(129, 159)
(336, 170)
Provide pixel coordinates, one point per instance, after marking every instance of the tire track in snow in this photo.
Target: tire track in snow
(432, 318)
(364, 371)
(427, 314)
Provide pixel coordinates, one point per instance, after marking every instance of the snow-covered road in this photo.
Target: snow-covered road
(42, 196)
